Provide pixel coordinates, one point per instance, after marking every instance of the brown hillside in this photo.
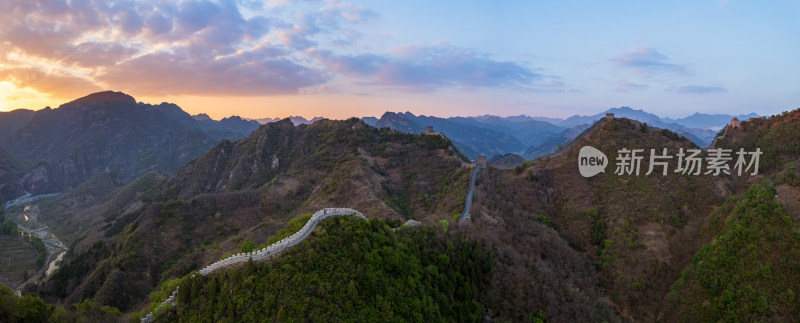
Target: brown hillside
(618, 240)
(750, 270)
(249, 189)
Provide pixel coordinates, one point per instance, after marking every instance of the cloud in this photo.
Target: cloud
(647, 61)
(197, 47)
(625, 86)
(90, 54)
(697, 89)
(227, 47)
(335, 11)
(426, 68)
(209, 28)
(724, 3)
(263, 72)
(60, 86)
(298, 36)
(328, 20)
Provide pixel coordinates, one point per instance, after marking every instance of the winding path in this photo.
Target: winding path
(264, 253)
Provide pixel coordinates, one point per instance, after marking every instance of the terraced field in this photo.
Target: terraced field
(16, 256)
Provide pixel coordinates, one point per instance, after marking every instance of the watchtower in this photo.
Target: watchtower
(482, 160)
(735, 123)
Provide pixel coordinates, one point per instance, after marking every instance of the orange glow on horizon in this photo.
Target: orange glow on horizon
(329, 105)
(12, 98)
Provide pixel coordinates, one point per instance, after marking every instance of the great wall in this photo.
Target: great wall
(290, 241)
(284, 243)
(468, 201)
(264, 253)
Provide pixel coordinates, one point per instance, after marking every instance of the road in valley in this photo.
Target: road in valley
(27, 222)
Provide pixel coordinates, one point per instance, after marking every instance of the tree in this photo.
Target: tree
(248, 246)
(444, 224)
(352, 291)
(31, 308)
(354, 270)
(251, 267)
(8, 227)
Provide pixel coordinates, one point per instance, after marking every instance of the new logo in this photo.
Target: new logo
(591, 161)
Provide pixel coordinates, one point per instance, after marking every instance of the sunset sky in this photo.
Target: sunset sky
(445, 58)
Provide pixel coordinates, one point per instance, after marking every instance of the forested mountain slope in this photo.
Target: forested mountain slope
(247, 189)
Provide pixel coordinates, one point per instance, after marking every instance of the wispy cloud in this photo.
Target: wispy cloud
(427, 68)
(625, 86)
(648, 61)
(724, 3)
(697, 89)
(267, 71)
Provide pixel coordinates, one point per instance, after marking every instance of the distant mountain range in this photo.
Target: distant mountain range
(57, 149)
(697, 120)
(699, 127)
(106, 131)
(470, 136)
(708, 121)
(532, 137)
(296, 120)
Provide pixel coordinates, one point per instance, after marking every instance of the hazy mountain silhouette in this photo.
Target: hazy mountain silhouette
(708, 121)
(700, 128)
(109, 131)
(532, 137)
(473, 136)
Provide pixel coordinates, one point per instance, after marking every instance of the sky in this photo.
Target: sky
(340, 59)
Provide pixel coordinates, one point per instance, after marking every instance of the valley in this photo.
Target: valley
(25, 213)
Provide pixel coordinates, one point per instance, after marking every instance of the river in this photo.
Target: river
(56, 249)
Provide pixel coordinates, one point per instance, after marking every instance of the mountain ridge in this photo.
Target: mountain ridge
(608, 247)
(246, 189)
(109, 131)
(532, 137)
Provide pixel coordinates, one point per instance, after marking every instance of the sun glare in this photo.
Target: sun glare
(12, 97)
